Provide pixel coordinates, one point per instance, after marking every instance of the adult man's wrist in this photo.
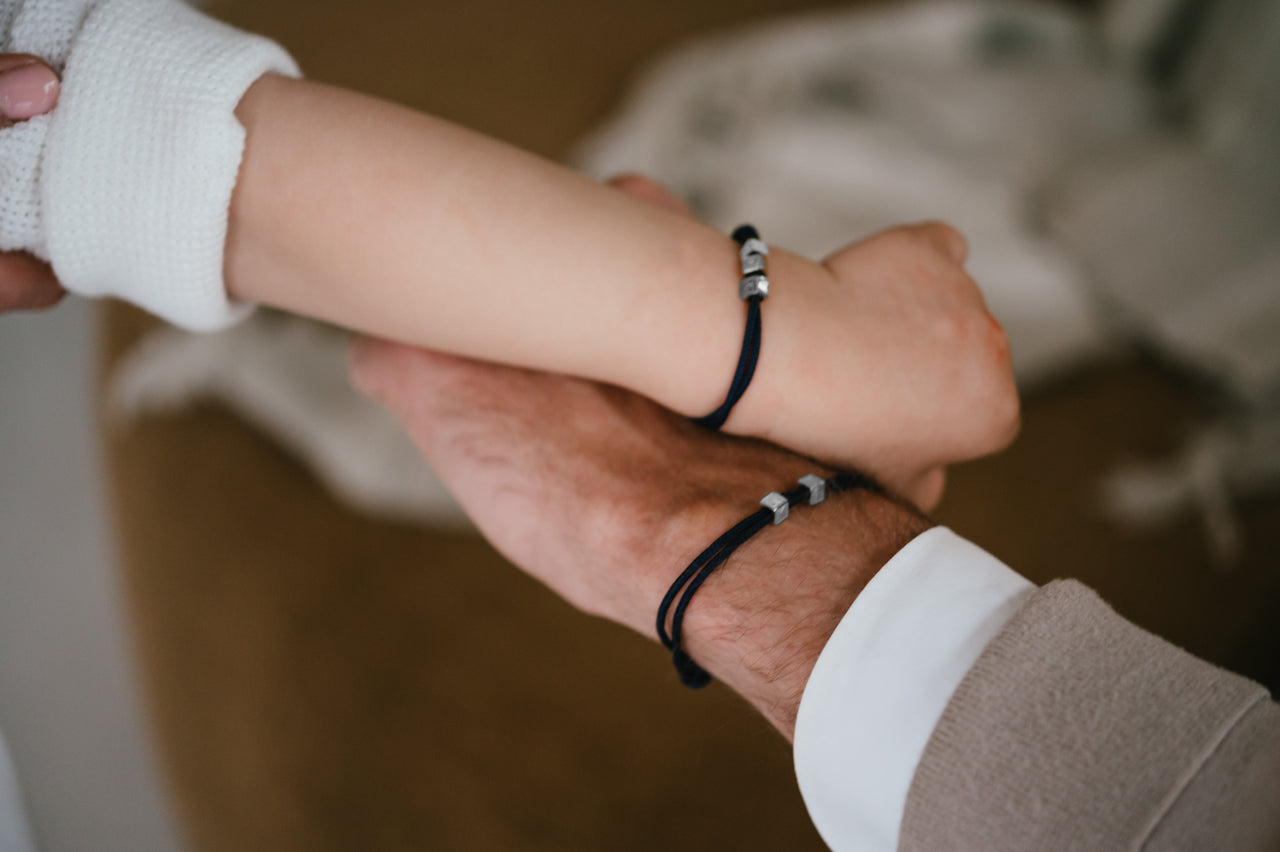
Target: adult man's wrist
(761, 621)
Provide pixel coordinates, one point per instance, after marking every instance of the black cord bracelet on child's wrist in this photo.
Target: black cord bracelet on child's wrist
(753, 288)
(776, 508)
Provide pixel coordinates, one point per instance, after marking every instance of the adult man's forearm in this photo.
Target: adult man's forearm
(762, 620)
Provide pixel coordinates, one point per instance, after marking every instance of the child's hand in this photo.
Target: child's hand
(883, 359)
(889, 362)
(28, 87)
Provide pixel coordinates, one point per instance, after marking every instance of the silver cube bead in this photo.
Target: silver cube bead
(776, 503)
(755, 284)
(753, 263)
(817, 488)
(753, 246)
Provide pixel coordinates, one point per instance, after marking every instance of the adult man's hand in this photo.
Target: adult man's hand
(28, 87)
(605, 497)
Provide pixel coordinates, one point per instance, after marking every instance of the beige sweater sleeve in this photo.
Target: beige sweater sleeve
(1077, 730)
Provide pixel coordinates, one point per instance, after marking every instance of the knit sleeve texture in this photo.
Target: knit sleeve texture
(125, 187)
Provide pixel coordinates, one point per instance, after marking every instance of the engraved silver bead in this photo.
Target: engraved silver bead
(753, 246)
(755, 284)
(753, 263)
(776, 503)
(817, 488)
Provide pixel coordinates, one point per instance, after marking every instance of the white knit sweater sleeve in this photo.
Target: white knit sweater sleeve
(125, 187)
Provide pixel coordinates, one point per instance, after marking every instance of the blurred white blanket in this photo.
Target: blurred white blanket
(825, 128)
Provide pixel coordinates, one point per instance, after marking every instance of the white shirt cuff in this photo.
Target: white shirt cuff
(884, 678)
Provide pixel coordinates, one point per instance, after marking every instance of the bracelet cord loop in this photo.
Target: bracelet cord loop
(754, 289)
(812, 490)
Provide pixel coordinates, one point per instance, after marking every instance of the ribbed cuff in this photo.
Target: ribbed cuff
(142, 155)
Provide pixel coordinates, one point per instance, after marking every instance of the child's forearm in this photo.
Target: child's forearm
(381, 219)
(345, 208)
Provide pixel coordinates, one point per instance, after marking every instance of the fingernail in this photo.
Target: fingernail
(28, 91)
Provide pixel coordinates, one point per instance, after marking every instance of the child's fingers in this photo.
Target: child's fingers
(28, 87)
(651, 192)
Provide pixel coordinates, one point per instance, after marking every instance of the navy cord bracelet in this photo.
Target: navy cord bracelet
(753, 288)
(775, 509)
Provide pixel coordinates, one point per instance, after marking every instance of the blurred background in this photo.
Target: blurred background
(203, 643)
